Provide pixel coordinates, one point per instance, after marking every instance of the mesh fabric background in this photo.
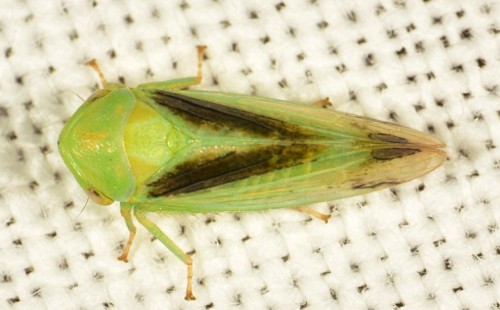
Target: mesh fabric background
(430, 65)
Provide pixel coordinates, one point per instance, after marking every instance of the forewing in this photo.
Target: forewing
(340, 127)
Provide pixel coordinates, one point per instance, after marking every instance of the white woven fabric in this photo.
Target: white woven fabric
(428, 244)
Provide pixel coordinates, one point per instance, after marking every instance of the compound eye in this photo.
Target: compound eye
(96, 197)
(97, 94)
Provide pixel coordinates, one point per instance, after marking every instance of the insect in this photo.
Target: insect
(160, 147)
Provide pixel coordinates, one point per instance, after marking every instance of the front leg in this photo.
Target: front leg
(125, 210)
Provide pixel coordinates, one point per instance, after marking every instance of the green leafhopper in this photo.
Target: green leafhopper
(162, 148)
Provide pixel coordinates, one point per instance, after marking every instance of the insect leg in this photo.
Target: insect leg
(93, 63)
(180, 83)
(311, 212)
(186, 259)
(323, 103)
(125, 211)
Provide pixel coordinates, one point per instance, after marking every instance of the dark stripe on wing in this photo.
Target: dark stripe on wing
(201, 112)
(375, 185)
(201, 173)
(392, 153)
(384, 137)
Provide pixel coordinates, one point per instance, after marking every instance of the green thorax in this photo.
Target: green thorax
(114, 142)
